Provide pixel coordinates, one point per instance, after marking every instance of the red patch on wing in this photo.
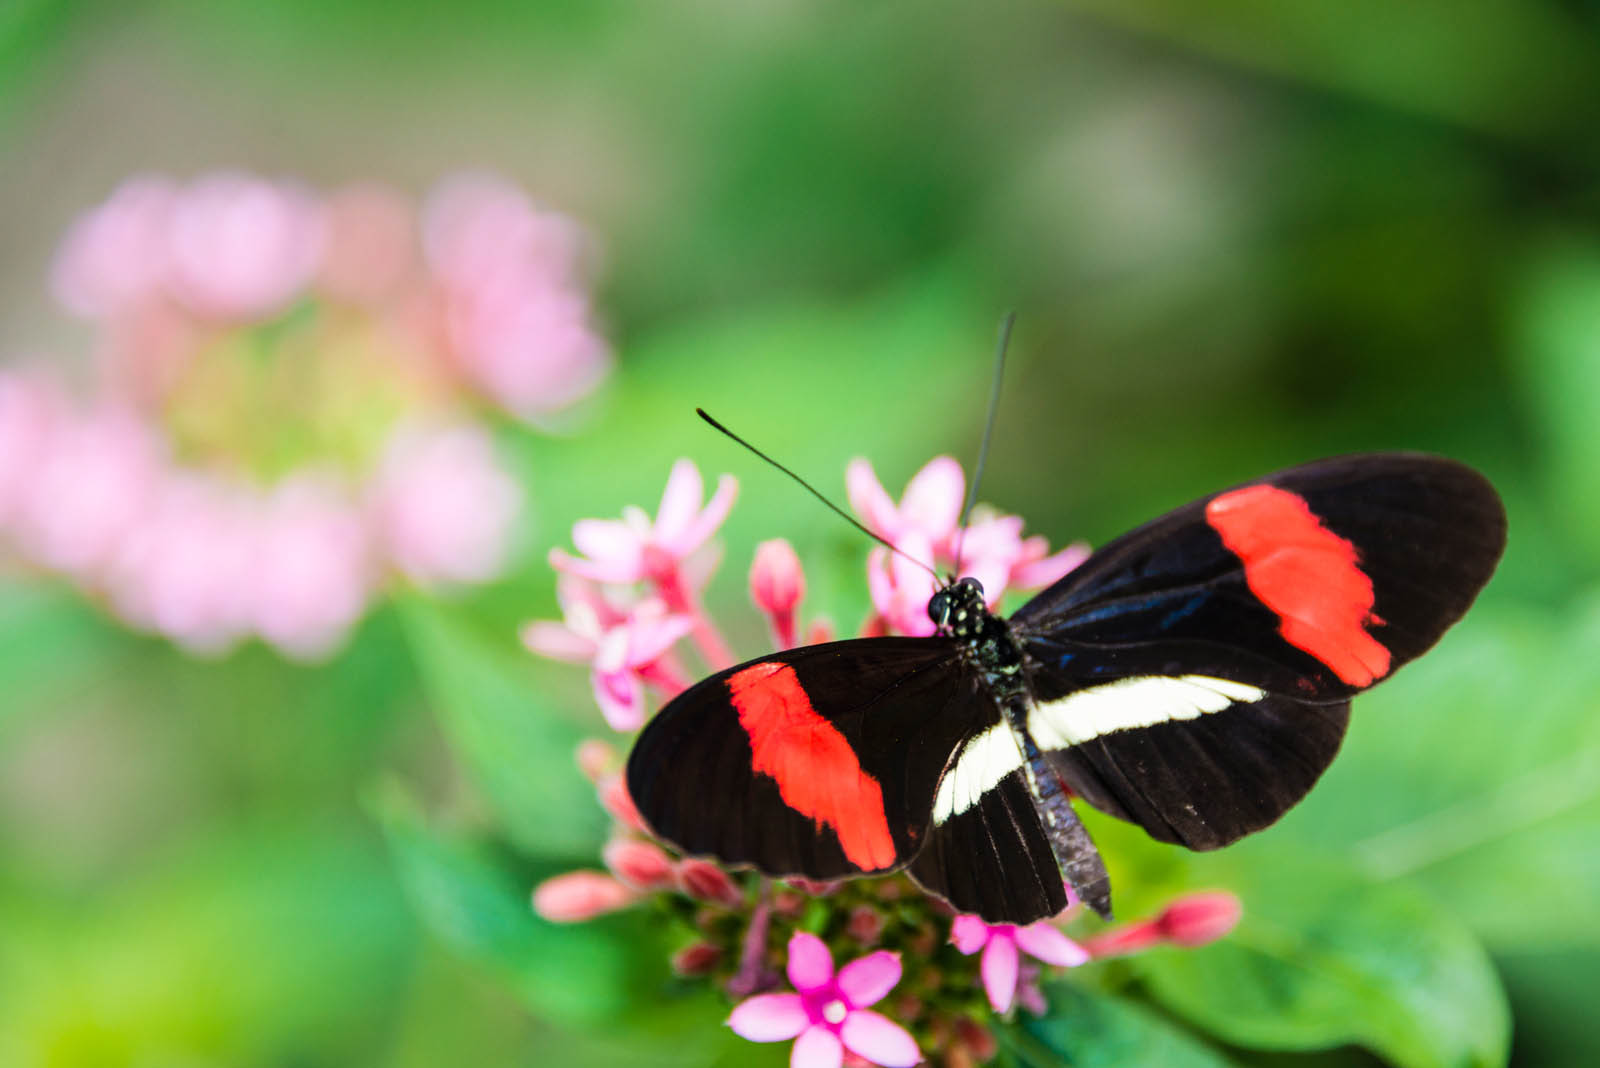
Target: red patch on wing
(1309, 576)
(816, 770)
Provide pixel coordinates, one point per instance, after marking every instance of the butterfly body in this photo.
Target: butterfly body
(1192, 676)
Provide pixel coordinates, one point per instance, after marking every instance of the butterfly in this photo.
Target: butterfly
(1193, 676)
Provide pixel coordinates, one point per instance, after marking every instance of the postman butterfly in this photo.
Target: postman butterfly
(1193, 676)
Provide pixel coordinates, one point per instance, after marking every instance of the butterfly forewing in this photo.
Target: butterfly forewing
(821, 761)
(1192, 676)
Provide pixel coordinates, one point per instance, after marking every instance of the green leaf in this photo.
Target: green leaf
(495, 712)
(577, 974)
(1324, 957)
(1088, 1029)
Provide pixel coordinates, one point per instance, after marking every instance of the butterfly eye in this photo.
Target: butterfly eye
(939, 607)
(977, 587)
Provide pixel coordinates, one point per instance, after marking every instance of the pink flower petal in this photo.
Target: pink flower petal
(810, 964)
(932, 501)
(680, 502)
(712, 517)
(557, 642)
(769, 1018)
(649, 639)
(879, 1039)
(999, 970)
(777, 581)
(620, 697)
(969, 934)
(1046, 942)
(870, 500)
(1051, 569)
(620, 573)
(817, 1047)
(865, 981)
(607, 541)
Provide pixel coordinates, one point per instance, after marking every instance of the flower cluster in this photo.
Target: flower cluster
(629, 598)
(285, 388)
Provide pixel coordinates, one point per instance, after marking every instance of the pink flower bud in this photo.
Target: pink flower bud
(777, 582)
(704, 880)
(696, 959)
(580, 895)
(976, 1038)
(641, 865)
(1199, 918)
(814, 887)
(595, 758)
(820, 630)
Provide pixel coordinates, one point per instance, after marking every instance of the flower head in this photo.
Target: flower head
(637, 549)
(1001, 943)
(925, 527)
(828, 1013)
(623, 647)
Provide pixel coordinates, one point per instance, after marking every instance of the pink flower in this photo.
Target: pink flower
(641, 865)
(93, 477)
(370, 246)
(518, 325)
(828, 1015)
(116, 255)
(29, 408)
(444, 505)
(925, 527)
(623, 650)
(241, 247)
(311, 575)
(777, 585)
(1001, 961)
(931, 504)
(634, 549)
(181, 569)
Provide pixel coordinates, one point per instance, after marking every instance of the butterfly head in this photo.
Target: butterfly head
(959, 608)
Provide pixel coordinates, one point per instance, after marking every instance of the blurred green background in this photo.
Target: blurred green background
(1238, 235)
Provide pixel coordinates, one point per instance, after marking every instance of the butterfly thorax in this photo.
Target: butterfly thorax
(959, 610)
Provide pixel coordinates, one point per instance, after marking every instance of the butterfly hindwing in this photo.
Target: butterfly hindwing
(821, 761)
(1193, 675)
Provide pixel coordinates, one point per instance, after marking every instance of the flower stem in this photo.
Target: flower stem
(753, 974)
(706, 637)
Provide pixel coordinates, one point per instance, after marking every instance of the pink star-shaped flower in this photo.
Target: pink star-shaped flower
(633, 549)
(1001, 964)
(622, 648)
(828, 1014)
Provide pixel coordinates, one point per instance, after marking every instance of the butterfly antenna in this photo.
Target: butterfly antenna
(848, 518)
(988, 432)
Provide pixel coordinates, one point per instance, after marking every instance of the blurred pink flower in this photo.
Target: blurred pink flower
(518, 326)
(370, 244)
(1190, 921)
(1000, 944)
(930, 505)
(29, 408)
(634, 549)
(444, 506)
(116, 255)
(828, 1015)
(624, 651)
(241, 247)
(900, 588)
(181, 568)
(91, 480)
(311, 573)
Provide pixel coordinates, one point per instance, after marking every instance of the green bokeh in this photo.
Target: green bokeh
(1238, 235)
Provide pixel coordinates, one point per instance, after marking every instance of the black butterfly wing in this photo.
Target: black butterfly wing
(820, 761)
(1193, 675)
(829, 761)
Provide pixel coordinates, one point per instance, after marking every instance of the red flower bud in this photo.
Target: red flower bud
(696, 959)
(1200, 918)
(865, 925)
(704, 880)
